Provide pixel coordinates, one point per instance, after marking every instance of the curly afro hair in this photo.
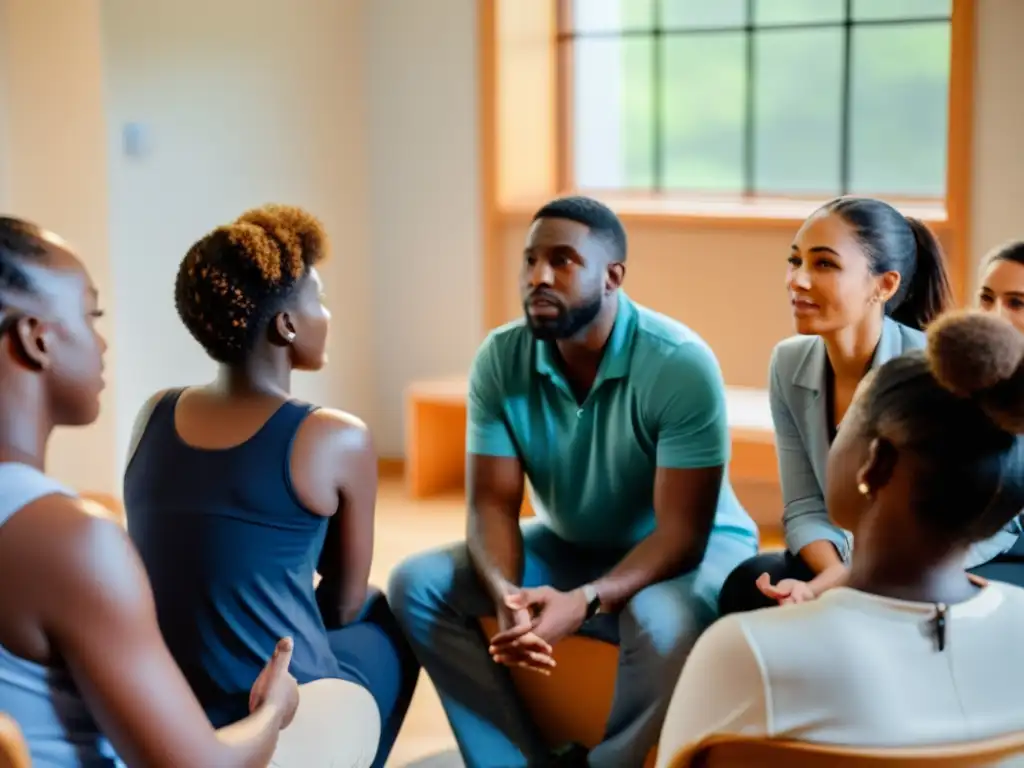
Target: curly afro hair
(236, 278)
(959, 407)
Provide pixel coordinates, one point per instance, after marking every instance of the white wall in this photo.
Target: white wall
(240, 105)
(997, 210)
(424, 197)
(53, 171)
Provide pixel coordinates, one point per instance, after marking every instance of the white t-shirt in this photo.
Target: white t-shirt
(856, 669)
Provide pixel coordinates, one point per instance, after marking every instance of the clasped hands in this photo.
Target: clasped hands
(531, 622)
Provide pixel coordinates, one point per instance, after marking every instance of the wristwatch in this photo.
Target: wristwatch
(593, 601)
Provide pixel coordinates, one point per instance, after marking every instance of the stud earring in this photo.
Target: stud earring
(863, 489)
(290, 338)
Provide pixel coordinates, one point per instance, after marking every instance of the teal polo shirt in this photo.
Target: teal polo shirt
(658, 401)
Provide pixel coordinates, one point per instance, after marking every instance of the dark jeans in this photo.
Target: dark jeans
(1007, 567)
(375, 650)
(740, 592)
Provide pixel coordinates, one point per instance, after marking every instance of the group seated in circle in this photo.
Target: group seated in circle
(897, 426)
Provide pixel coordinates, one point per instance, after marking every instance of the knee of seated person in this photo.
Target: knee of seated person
(417, 580)
(665, 620)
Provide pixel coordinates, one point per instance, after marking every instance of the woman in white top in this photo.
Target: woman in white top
(912, 650)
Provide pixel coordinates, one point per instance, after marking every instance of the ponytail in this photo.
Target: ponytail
(893, 242)
(929, 294)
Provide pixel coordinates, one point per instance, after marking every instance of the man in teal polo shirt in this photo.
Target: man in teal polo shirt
(616, 416)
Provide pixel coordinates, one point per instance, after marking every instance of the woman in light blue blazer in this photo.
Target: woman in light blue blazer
(863, 282)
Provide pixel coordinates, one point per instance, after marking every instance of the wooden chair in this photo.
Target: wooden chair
(13, 749)
(740, 752)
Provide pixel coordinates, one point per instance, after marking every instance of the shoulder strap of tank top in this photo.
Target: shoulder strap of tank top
(21, 484)
(282, 426)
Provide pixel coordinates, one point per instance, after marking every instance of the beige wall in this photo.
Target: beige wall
(248, 106)
(365, 112)
(997, 209)
(53, 169)
(424, 198)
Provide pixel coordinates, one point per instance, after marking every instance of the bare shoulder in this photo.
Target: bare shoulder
(74, 558)
(340, 429)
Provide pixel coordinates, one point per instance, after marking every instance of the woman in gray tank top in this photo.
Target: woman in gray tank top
(83, 667)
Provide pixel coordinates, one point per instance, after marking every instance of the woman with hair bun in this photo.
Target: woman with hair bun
(864, 281)
(913, 650)
(237, 494)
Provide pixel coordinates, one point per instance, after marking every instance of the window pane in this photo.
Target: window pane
(901, 9)
(703, 78)
(605, 16)
(687, 14)
(899, 95)
(612, 118)
(798, 111)
(768, 12)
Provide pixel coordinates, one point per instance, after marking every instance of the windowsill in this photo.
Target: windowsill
(722, 213)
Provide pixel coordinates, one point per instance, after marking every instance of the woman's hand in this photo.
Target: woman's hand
(786, 591)
(275, 685)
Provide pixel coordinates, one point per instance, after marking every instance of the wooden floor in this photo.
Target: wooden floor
(405, 527)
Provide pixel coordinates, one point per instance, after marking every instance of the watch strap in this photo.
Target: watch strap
(593, 600)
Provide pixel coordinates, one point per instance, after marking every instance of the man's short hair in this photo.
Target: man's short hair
(596, 216)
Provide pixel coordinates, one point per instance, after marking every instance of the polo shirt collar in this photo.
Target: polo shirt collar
(618, 352)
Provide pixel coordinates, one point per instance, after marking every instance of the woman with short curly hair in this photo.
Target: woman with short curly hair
(237, 494)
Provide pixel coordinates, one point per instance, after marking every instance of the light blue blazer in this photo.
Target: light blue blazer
(798, 403)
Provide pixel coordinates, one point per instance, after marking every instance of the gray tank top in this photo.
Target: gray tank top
(44, 700)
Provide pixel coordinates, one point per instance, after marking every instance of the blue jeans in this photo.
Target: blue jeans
(437, 598)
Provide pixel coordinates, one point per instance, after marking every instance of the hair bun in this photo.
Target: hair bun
(981, 356)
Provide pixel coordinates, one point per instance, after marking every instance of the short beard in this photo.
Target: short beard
(568, 323)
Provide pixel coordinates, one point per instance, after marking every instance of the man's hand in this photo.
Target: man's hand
(556, 615)
(787, 591)
(517, 644)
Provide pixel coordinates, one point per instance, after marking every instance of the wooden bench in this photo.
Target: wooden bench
(435, 444)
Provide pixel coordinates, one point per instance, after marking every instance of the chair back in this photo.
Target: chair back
(741, 752)
(13, 749)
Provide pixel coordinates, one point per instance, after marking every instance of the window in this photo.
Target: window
(760, 98)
